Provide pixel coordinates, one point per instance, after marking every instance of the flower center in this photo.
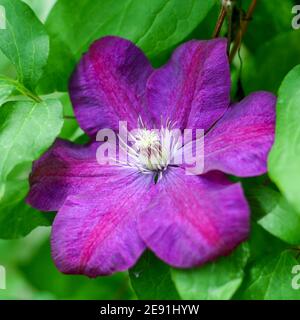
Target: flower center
(151, 151)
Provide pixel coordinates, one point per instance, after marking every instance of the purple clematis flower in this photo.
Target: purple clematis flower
(108, 215)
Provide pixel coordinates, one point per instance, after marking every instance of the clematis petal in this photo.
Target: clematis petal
(108, 85)
(194, 219)
(193, 88)
(66, 169)
(96, 233)
(240, 142)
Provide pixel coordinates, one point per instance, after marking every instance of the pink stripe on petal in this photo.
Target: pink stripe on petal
(239, 143)
(96, 233)
(67, 169)
(108, 85)
(193, 88)
(194, 219)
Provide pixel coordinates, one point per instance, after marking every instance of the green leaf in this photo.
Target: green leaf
(41, 8)
(151, 279)
(206, 27)
(153, 25)
(257, 33)
(24, 41)
(270, 278)
(271, 62)
(19, 219)
(281, 219)
(6, 67)
(60, 65)
(284, 158)
(161, 23)
(6, 89)
(217, 280)
(262, 243)
(27, 129)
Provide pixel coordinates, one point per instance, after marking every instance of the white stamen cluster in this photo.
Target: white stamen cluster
(151, 151)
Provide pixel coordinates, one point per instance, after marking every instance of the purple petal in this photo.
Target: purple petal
(96, 233)
(194, 219)
(66, 169)
(193, 89)
(108, 85)
(240, 142)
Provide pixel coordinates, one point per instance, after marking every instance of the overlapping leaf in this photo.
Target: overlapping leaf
(24, 41)
(217, 280)
(153, 25)
(284, 159)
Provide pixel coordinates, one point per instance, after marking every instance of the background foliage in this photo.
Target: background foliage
(43, 41)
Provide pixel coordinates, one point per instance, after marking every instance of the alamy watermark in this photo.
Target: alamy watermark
(296, 18)
(2, 18)
(296, 278)
(152, 150)
(2, 278)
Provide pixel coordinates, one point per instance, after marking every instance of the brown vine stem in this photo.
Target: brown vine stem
(243, 28)
(229, 10)
(220, 21)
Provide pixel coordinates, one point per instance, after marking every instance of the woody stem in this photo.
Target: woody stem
(242, 30)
